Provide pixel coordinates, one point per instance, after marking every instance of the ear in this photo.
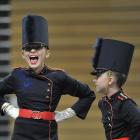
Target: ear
(48, 54)
(110, 77)
(110, 80)
(22, 53)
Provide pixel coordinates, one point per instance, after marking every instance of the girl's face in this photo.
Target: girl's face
(101, 82)
(35, 58)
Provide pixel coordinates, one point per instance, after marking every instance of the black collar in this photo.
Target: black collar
(115, 95)
(42, 72)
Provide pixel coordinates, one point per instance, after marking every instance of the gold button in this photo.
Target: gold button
(49, 84)
(47, 97)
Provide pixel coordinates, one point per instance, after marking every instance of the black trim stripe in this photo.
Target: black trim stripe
(4, 25)
(4, 62)
(4, 133)
(5, 1)
(4, 122)
(5, 13)
(4, 50)
(4, 37)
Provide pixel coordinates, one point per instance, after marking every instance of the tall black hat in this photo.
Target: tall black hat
(34, 31)
(112, 55)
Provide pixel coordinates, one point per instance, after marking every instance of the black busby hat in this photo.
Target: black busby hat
(112, 55)
(34, 31)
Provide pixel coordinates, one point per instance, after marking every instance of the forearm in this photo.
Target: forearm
(82, 106)
(83, 92)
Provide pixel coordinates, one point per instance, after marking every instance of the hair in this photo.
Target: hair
(120, 79)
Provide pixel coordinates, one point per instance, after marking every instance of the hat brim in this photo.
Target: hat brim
(93, 73)
(98, 71)
(35, 45)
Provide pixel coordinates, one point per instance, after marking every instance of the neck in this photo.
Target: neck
(112, 91)
(38, 70)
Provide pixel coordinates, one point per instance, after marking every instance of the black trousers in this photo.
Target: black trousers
(31, 129)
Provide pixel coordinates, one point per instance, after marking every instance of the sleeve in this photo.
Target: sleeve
(6, 87)
(131, 114)
(83, 92)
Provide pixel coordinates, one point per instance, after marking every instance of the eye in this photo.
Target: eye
(38, 47)
(28, 49)
(98, 75)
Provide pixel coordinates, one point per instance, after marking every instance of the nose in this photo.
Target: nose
(32, 50)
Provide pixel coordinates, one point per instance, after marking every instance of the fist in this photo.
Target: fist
(63, 115)
(10, 110)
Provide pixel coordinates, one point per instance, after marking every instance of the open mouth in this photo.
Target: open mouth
(33, 59)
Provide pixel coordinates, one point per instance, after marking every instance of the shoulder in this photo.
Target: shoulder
(19, 71)
(16, 72)
(122, 100)
(130, 109)
(56, 69)
(60, 74)
(57, 73)
(122, 96)
(125, 100)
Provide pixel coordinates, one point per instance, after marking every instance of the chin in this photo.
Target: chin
(34, 66)
(99, 90)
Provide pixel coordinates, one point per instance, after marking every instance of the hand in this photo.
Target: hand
(63, 115)
(10, 110)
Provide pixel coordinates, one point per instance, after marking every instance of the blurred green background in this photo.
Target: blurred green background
(73, 28)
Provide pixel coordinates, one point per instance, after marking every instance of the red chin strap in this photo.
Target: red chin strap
(124, 138)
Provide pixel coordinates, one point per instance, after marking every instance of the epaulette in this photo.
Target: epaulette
(17, 68)
(122, 97)
(20, 68)
(25, 68)
(55, 69)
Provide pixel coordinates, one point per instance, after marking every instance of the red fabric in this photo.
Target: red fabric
(125, 138)
(26, 113)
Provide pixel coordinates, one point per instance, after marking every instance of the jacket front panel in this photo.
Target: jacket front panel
(35, 91)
